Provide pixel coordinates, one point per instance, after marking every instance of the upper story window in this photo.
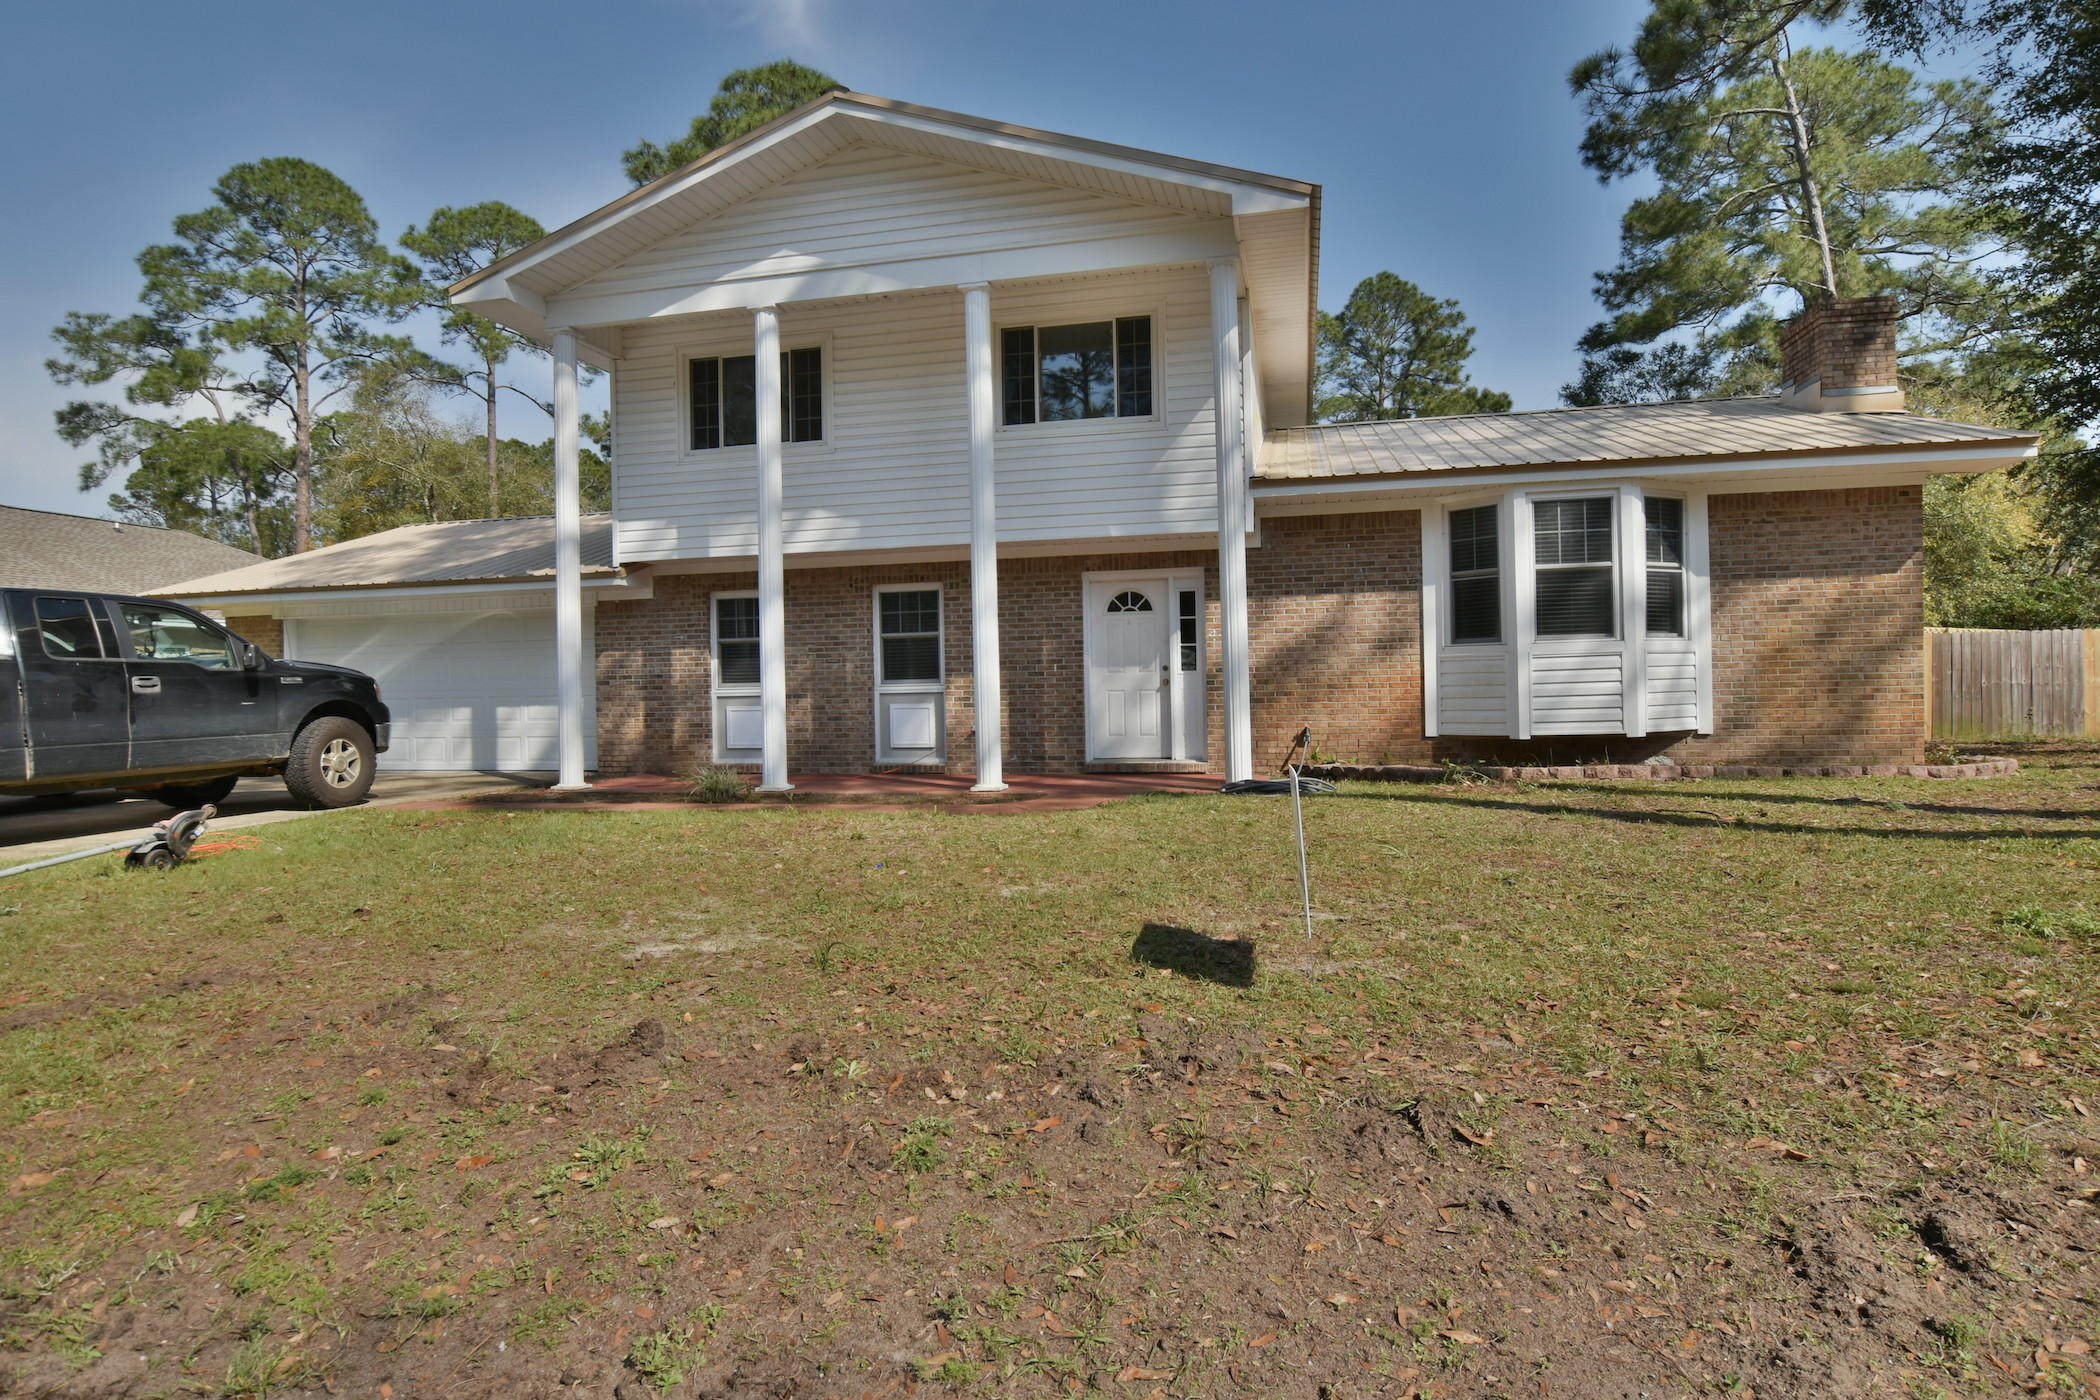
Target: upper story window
(1092, 369)
(1572, 550)
(722, 395)
(1665, 516)
(1476, 576)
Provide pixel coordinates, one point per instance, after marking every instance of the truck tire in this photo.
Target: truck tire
(331, 763)
(185, 797)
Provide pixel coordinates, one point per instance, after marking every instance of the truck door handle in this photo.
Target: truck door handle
(146, 685)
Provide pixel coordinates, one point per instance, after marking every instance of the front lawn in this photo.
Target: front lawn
(1779, 1087)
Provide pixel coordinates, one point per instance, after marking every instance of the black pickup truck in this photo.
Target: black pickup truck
(101, 691)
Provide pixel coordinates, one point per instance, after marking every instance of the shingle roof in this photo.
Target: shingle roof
(47, 549)
(1649, 432)
(454, 551)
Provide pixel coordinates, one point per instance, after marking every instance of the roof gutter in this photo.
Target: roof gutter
(1980, 458)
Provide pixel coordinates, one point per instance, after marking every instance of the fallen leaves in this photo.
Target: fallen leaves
(1773, 1145)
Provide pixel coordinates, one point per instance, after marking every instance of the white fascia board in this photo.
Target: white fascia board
(889, 278)
(1897, 466)
(628, 589)
(939, 554)
(1246, 198)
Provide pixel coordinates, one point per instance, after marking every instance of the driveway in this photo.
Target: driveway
(33, 828)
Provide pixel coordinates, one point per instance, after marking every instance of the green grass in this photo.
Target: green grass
(1873, 973)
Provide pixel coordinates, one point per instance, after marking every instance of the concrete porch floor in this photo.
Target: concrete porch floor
(1032, 792)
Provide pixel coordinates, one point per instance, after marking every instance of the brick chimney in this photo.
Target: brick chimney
(1840, 357)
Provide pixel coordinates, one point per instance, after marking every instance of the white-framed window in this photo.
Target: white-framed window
(735, 641)
(908, 647)
(1077, 370)
(1476, 575)
(1575, 569)
(721, 393)
(1664, 518)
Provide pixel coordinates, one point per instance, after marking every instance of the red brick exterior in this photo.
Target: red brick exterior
(1847, 344)
(1334, 622)
(1818, 643)
(655, 712)
(265, 632)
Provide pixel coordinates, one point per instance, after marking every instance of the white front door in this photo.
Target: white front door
(1128, 668)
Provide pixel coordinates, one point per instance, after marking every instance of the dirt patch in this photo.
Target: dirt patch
(634, 1055)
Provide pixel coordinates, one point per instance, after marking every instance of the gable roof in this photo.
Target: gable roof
(49, 549)
(517, 549)
(1276, 219)
(1705, 429)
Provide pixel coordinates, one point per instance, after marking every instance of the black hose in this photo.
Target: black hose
(1309, 787)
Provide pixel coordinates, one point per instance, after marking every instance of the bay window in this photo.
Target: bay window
(1581, 610)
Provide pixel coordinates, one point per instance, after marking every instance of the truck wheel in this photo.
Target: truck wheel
(331, 763)
(185, 797)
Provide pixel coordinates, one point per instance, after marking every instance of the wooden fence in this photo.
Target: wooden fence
(1988, 684)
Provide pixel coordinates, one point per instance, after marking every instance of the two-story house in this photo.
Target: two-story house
(943, 443)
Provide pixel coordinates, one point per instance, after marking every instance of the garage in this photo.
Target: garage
(468, 690)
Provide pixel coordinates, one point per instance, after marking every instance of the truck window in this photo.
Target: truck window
(68, 629)
(161, 634)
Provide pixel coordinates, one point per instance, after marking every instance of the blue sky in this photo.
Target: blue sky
(1443, 133)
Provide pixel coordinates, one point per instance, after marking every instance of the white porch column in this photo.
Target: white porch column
(984, 536)
(772, 583)
(1232, 514)
(568, 566)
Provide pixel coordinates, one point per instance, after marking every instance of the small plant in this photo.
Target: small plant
(2036, 922)
(718, 784)
(826, 956)
(663, 1358)
(919, 1150)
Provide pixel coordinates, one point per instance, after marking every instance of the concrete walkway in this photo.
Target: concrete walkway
(33, 828)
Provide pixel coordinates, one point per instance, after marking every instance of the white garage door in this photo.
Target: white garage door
(468, 690)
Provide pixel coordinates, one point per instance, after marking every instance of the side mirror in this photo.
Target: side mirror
(251, 657)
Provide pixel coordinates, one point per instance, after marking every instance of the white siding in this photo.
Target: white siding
(1673, 684)
(893, 471)
(1473, 689)
(871, 208)
(1578, 691)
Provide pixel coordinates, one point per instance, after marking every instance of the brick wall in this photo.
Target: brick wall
(654, 708)
(1848, 344)
(1334, 623)
(1818, 632)
(265, 632)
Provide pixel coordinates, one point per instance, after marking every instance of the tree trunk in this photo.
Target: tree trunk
(302, 456)
(495, 508)
(1811, 195)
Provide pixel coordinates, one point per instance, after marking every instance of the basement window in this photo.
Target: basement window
(722, 398)
(1091, 369)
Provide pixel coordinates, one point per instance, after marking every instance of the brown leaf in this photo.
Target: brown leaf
(474, 1163)
(1470, 1339)
(1263, 1340)
(29, 1181)
(1141, 1373)
(1043, 1125)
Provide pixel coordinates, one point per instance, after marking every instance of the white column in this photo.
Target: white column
(1232, 514)
(984, 536)
(568, 565)
(772, 583)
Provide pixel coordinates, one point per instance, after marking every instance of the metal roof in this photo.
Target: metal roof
(1706, 429)
(47, 549)
(514, 550)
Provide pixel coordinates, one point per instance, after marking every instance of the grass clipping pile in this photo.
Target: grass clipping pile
(1176, 1211)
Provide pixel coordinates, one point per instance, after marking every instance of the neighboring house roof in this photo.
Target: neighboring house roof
(1705, 429)
(515, 550)
(1275, 220)
(48, 549)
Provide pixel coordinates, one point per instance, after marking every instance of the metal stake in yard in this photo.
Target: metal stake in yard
(1304, 741)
